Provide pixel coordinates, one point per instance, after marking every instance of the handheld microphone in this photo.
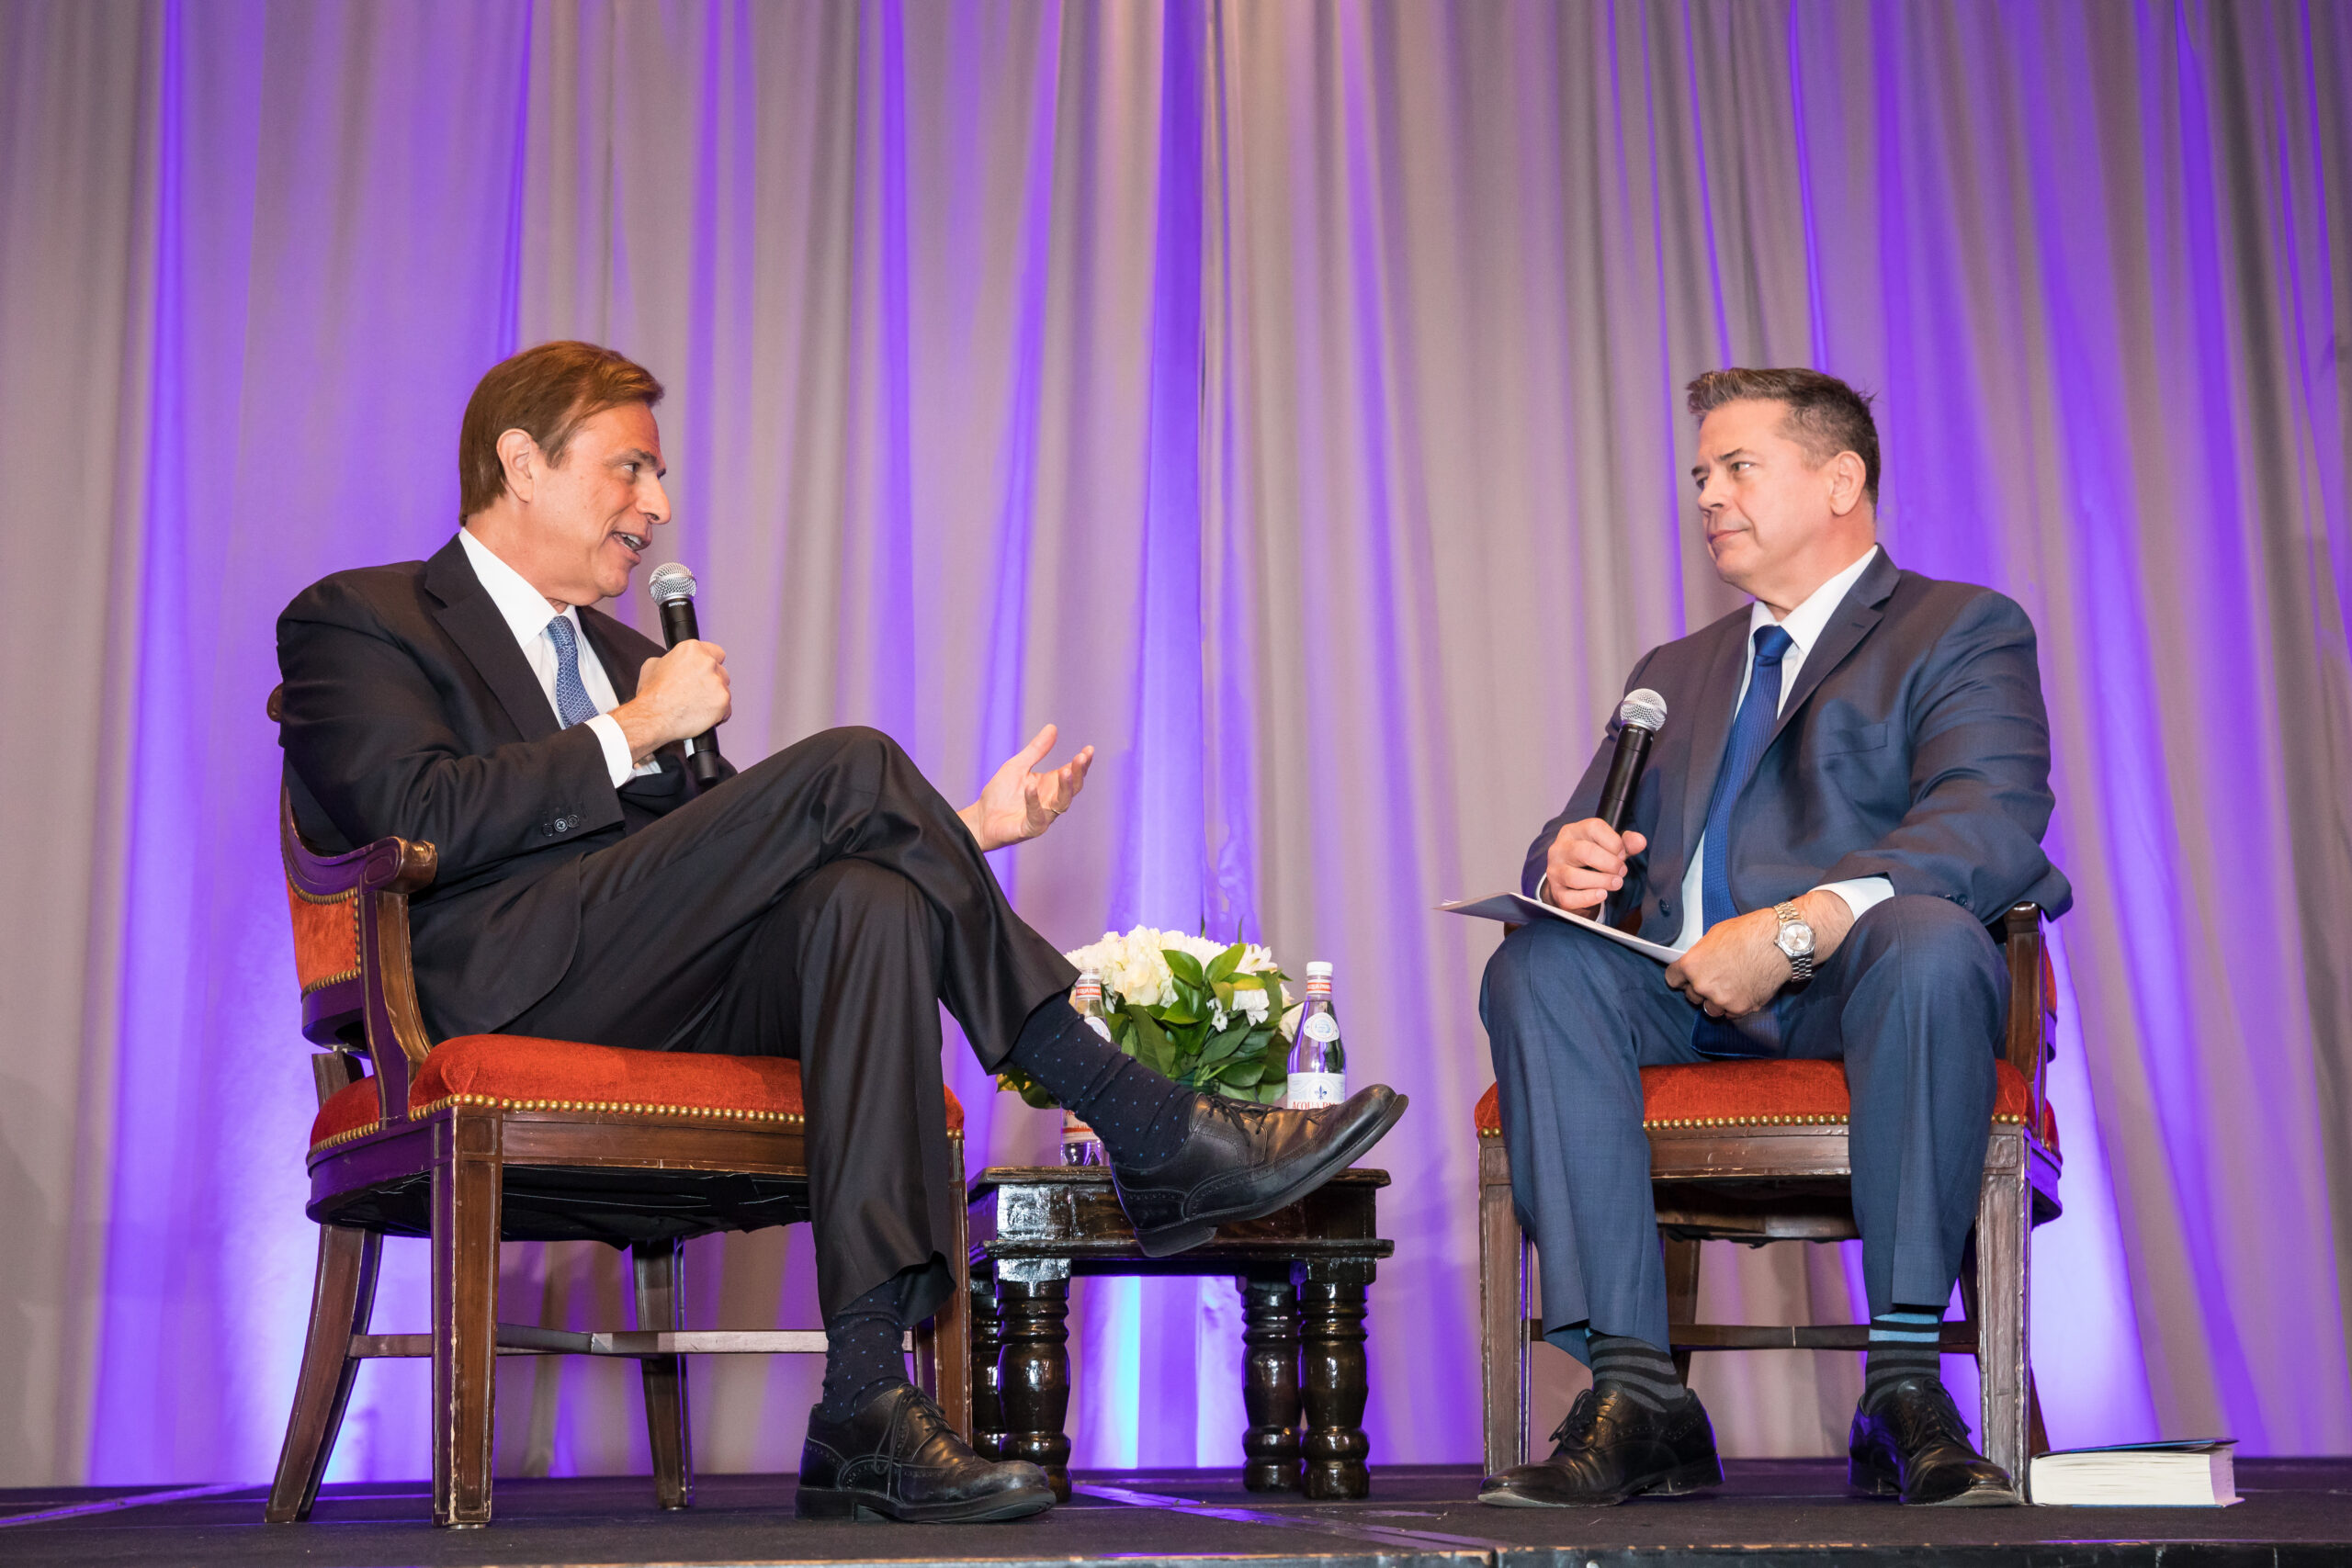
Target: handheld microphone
(1639, 718)
(673, 587)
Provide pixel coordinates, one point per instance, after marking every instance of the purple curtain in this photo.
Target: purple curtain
(1286, 401)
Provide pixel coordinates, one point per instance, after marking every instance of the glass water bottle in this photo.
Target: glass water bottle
(1079, 1145)
(1318, 1063)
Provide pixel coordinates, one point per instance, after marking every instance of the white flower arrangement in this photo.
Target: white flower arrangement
(1211, 1015)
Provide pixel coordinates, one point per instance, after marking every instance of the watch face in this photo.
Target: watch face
(1796, 939)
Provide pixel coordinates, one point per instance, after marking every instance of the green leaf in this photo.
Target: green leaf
(1153, 1040)
(1224, 1044)
(1273, 1093)
(1222, 966)
(1224, 994)
(1184, 966)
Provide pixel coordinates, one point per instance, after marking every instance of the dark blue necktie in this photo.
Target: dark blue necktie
(572, 703)
(1751, 731)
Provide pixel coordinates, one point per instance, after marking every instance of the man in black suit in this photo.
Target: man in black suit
(823, 904)
(1852, 780)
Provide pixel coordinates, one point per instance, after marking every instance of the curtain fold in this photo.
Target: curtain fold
(1284, 399)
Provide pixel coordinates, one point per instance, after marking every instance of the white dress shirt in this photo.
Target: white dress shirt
(1804, 625)
(527, 613)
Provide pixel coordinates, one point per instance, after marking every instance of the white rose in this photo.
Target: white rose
(1254, 1004)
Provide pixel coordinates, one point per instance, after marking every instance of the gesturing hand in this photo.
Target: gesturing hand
(1018, 804)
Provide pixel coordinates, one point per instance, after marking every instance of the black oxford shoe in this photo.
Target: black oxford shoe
(1913, 1445)
(1240, 1161)
(1612, 1447)
(899, 1459)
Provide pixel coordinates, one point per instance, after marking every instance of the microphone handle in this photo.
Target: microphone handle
(1624, 772)
(702, 752)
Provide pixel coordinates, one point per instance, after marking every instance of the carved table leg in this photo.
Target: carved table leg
(1269, 1381)
(1033, 1378)
(987, 1403)
(1336, 1383)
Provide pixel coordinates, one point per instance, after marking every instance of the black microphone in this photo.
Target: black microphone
(1639, 718)
(673, 587)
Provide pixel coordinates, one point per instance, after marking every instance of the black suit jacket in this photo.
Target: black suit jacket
(410, 710)
(1914, 746)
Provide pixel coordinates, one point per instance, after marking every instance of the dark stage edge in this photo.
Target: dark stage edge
(1770, 1512)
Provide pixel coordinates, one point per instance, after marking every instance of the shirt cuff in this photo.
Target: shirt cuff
(618, 761)
(1863, 895)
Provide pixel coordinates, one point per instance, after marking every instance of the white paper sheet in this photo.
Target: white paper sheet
(1519, 907)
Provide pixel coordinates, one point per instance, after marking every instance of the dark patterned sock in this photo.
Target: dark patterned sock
(1637, 1368)
(1903, 1345)
(864, 1353)
(1140, 1116)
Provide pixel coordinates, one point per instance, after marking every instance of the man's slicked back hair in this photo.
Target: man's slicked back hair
(1826, 415)
(547, 393)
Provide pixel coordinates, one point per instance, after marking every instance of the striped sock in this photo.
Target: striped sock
(1903, 1345)
(1637, 1368)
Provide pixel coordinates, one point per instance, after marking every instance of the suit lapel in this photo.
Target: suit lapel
(1855, 617)
(1711, 724)
(482, 634)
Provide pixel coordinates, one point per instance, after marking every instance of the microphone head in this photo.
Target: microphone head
(1643, 709)
(674, 581)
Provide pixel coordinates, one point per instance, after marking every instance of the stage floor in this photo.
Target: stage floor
(1772, 1512)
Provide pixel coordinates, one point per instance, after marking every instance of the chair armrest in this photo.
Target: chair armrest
(2030, 1037)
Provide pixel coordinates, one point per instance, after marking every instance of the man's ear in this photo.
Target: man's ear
(1847, 475)
(519, 461)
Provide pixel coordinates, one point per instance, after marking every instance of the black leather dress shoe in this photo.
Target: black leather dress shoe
(1240, 1161)
(899, 1459)
(1912, 1443)
(1611, 1447)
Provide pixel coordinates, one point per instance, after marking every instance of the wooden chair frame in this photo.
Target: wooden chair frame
(1757, 1184)
(467, 1154)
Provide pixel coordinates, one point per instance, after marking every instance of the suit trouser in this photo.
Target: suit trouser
(1913, 1002)
(820, 905)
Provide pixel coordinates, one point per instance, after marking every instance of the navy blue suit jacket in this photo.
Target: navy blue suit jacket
(1914, 746)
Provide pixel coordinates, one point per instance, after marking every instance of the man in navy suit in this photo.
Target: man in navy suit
(1853, 781)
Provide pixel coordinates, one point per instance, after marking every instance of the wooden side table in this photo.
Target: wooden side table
(1302, 1271)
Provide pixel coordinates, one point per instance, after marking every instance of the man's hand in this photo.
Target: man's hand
(1586, 863)
(681, 693)
(1018, 804)
(1736, 969)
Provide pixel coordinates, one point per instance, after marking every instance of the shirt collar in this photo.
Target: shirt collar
(1805, 624)
(526, 609)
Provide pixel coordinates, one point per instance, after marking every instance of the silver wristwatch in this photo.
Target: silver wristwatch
(1794, 939)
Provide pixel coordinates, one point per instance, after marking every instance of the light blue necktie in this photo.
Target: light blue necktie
(1752, 732)
(572, 703)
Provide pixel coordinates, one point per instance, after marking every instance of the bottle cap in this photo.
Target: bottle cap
(1090, 978)
(1319, 970)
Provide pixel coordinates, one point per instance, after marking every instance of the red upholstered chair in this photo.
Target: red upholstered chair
(1756, 1151)
(489, 1138)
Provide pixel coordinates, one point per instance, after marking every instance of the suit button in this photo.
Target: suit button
(1664, 907)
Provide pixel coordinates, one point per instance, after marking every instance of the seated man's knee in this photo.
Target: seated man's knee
(861, 886)
(1536, 959)
(1935, 940)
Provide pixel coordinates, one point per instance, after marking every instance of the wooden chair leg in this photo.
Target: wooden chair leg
(342, 1297)
(1682, 1295)
(2037, 1437)
(1502, 1320)
(466, 1200)
(1994, 1280)
(661, 1308)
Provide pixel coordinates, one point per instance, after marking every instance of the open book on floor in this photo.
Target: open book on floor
(2195, 1472)
(1521, 908)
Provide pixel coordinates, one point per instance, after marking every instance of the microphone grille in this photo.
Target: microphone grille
(1643, 709)
(671, 581)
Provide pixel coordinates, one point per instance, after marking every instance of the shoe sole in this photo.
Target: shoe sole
(1875, 1482)
(828, 1502)
(1170, 1240)
(1697, 1477)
